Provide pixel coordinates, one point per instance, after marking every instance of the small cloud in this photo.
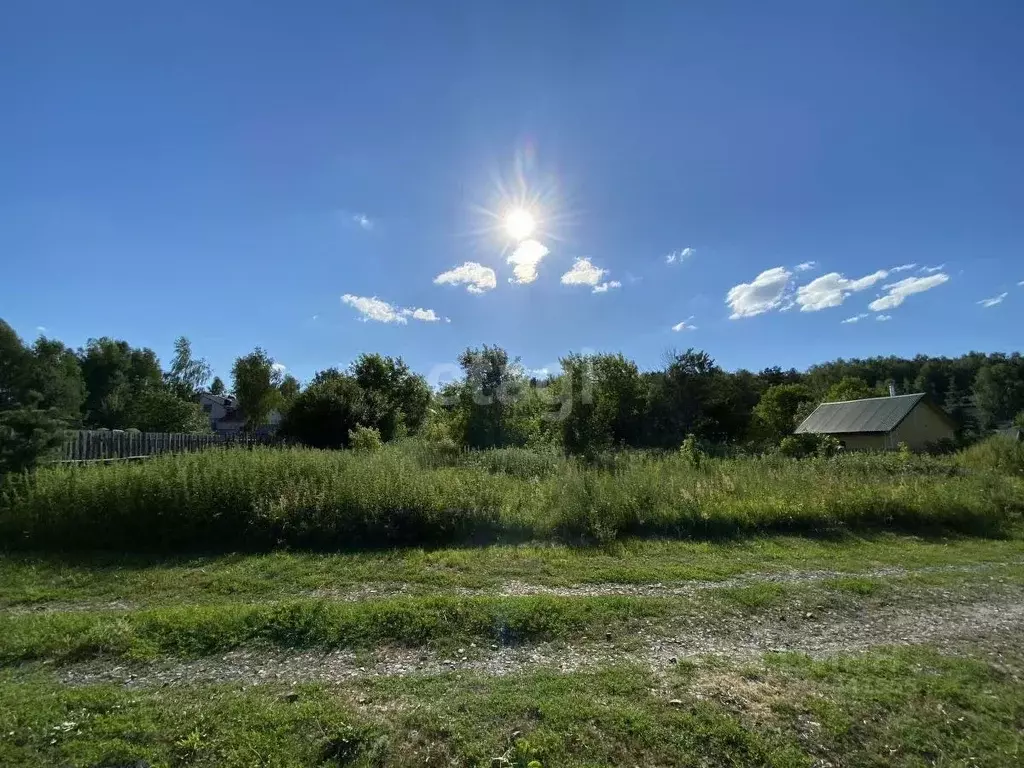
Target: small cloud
(424, 315)
(1021, 283)
(678, 257)
(362, 221)
(806, 265)
(279, 367)
(763, 294)
(476, 277)
(315, 317)
(380, 311)
(832, 289)
(525, 259)
(883, 318)
(899, 291)
(905, 267)
(991, 302)
(41, 328)
(584, 272)
(684, 325)
(539, 373)
(855, 318)
(932, 270)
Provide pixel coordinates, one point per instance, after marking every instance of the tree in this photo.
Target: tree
(324, 413)
(775, 414)
(217, 386)
(187, 374)
(56, 376)
(289, 390)
(603, 399)
(256, 383)
(850, 388)
(396, 399)
(27, 435)
(114, 374)
(159, 409)
(485, 401)
(999, 392)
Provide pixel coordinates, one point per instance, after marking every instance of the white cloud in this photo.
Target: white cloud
(883, 318)
(806, 265)
(476, 277)
(378, 310)
(1021, 283)
(905, 267)
(856, 318)
(362, 220)
(525, 259)
(426, 315)
(684, 325)
(991, 302)
(279, 367)
(583, 272)
(832, 289)
(41, 328)
(763, 294)
(932, 270)
(899, 291)
(678, 257)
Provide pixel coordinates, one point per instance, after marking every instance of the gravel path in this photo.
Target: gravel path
(945, 624)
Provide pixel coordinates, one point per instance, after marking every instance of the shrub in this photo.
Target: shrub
(27, 435)
(691, 451)
(365, 439)
(997, 453)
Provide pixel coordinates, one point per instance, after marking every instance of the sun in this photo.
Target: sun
(519, 223)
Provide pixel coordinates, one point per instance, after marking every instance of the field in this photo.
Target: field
(296, 608)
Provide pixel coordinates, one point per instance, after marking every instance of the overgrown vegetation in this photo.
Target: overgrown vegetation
(262, 499)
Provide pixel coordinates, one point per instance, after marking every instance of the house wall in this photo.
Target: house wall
(862, 441)
(921, 427)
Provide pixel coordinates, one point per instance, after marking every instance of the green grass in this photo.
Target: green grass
(905, 707)
(27, 579)
(272, 498)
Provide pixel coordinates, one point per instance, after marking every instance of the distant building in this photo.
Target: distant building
(882, 423)
(226, 418)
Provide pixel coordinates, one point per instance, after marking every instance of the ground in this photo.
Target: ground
(787, 651)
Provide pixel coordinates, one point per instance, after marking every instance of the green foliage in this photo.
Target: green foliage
(27, 435)
(776, 411)
(691, 452)
(217, 386)
(326, 412)
(187, 375)
(999, 391)
(996, 453)
(56, 376)
(289, 390)
(115, 374)
(159, 409)
(851, 388)
(366, 439)
(1018, 420)
(259, 499)
(255, 383)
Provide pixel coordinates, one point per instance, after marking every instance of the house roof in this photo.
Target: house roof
(874, 414)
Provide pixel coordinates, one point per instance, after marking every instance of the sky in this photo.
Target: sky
(775, 183)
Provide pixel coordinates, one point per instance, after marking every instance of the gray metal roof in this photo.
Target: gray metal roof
(875, 414)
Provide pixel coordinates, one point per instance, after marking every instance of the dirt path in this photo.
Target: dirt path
(946, 625)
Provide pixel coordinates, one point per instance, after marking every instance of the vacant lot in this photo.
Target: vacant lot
(858, 612)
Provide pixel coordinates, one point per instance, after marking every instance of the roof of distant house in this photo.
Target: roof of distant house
(873, 414)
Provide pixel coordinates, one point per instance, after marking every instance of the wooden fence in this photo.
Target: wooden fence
(103, 445)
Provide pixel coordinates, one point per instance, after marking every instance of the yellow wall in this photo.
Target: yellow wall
(863, 441)
(921, 427)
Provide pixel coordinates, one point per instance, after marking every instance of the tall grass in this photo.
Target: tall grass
(268, 498)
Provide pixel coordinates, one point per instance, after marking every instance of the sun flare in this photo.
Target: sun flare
(519, 223)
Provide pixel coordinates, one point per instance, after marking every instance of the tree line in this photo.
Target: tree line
(595, 402)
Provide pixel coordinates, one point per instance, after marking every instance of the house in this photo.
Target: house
(226, 418)
(881, 423)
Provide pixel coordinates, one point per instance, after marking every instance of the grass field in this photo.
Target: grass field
(866, 612)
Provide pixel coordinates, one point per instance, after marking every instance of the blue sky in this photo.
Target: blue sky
(255, 173)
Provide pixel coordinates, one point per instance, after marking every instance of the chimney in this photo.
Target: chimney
(892, 388)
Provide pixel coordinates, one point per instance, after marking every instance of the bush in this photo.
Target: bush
(365, 439)
(997, 454)
(27, 435)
